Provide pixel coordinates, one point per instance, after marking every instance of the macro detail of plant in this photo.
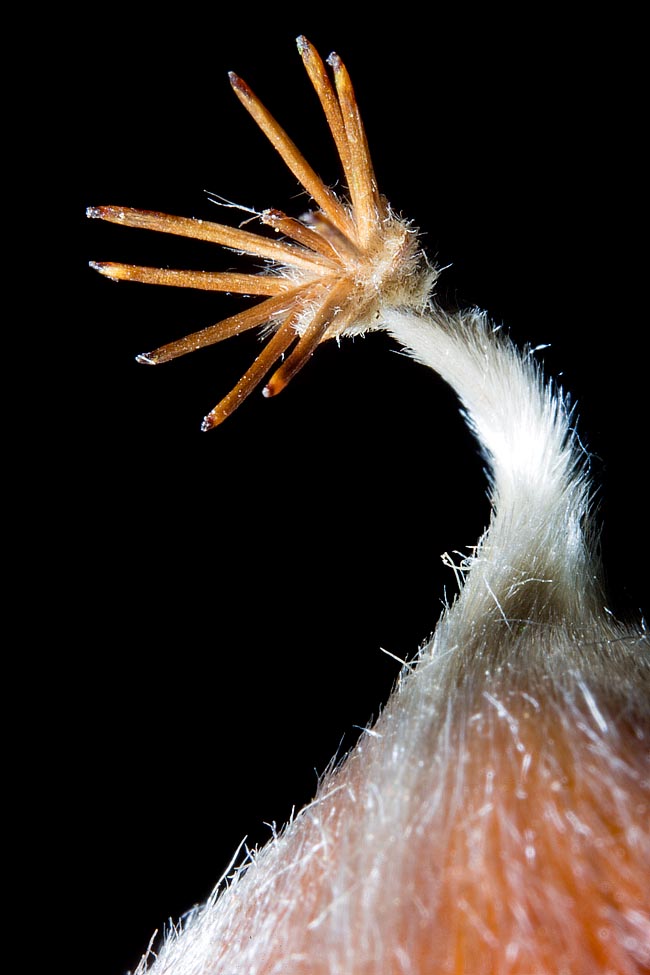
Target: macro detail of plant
(494, 820)
(331, 273)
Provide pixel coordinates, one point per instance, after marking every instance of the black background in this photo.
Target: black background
(236, 586)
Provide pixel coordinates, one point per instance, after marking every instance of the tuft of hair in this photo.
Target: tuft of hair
(494, 821)
(495, 818)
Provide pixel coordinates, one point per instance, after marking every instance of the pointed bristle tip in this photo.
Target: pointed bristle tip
(237, 83)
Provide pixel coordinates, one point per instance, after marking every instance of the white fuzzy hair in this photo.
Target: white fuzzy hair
(495, 818)
(494, 821)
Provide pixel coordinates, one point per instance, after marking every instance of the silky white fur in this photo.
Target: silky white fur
(504, 739)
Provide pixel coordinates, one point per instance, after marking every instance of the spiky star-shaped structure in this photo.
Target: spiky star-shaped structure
(330, 276)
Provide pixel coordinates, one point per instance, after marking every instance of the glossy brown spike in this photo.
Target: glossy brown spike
(229, 281)
(329, 102)
(294, 159)
(362, 184)
(213, 233)
(273, 308)
(299, 232)
(271, 352)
